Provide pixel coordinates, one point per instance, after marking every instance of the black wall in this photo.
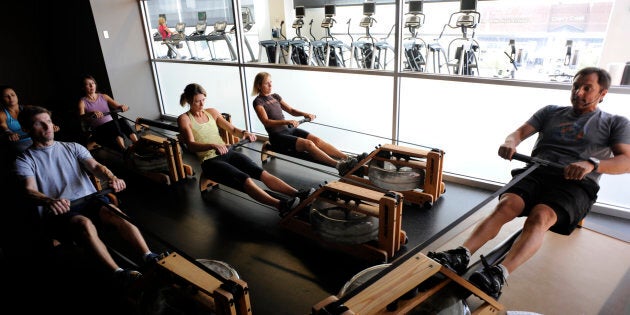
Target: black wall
(47, 46)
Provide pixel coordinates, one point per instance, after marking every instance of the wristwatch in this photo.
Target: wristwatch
(595, 162)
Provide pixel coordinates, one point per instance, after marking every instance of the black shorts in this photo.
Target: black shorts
(571, 200)
(60, 227)
(107, 133)
(284, 141)
(231, 169)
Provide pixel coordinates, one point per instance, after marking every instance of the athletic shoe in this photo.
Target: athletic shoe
(455, 259)
(303, 194)
(490, 280)
(362, 156)
(127, 277)
(287, 205)
(345, 166)
(153, 258)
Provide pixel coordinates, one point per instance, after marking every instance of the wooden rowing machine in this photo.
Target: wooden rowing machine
(386, 293)
(206, 289)
(387, 207)
(431, 161)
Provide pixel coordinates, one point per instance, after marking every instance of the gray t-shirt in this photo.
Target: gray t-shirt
(565, 137)
(271, 104)
(57, 169)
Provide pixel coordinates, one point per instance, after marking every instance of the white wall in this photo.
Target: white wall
(126, 56)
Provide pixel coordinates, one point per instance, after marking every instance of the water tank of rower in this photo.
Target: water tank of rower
(388, 175)
(340, 225)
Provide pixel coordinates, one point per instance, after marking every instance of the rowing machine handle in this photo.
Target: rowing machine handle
(300, 122)
(84, 199)
(240, 143)
(529, 159)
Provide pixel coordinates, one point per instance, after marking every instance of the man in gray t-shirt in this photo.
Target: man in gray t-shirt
(54, 173)
(583, 138)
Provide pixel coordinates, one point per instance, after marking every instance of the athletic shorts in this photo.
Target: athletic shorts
(60, 227)
(284, 141)
(231, 169)
(571, 200)
(107, 133)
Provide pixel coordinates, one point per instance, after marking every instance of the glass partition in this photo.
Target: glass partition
(468, 121)
(353, 111)
(222, 84)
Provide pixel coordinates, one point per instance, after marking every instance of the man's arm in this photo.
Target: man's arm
(508, 148)
(56, 206)
(620, 163)
(99, 170)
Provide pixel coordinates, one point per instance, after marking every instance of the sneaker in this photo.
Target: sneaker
(287, 205)
(345, 166)
(303, 194)
(127, 277)
(490, 280)
(362, 156)
(153, 258)
(455, 259)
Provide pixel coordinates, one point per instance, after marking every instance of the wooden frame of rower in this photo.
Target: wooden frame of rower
(389, 288)
(386, 206)
(432, 161)
(177, 169)
(223, 297)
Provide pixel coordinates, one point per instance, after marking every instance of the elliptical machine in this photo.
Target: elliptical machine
(416, 49)
(327, 51)
(464, 59)
(367, 51)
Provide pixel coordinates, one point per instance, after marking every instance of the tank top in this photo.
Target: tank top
(14, 126)
(100, 104)
(207, 132)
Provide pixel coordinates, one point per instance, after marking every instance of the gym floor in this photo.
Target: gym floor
(285, 273)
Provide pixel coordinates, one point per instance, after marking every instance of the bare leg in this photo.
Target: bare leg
(303, 145)
(529, 242)
(121, 142)
(259, 194)
(508, 208)
(327, 147)
(133, 137)
(276, 184)
(90, 237)
(128, 231)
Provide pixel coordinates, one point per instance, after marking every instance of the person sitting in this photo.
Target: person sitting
(17, 138)
(588, 141)
(284, 134)
(199, 130)
(53, 173)
(97, 110)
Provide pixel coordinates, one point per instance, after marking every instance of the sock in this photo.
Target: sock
(506, 273)
(146, 255)
(118, 270)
